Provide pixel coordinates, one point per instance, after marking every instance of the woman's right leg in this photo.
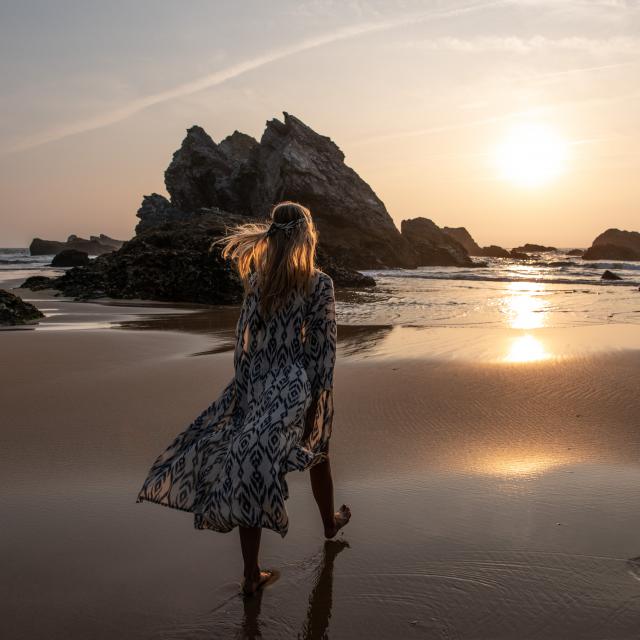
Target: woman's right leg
(322, 487)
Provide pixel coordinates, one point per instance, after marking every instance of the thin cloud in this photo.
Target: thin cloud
(622, 45)
(236, 70)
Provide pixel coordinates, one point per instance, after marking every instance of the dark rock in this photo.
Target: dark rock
(533, 248)
(610, 252)
(618, 238)
(494, 251)
(609, 275)
(433, 247)
(15, 311)
(70, 258)
(171, 262)
(343, 276)
(465, 239)
(156, 211)
(614, 244)
(575, 252)
(291, 162)
(203, 174)
(37, 283)
(96, 246)
(518, 255)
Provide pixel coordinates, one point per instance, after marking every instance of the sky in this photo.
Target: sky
(518, 119)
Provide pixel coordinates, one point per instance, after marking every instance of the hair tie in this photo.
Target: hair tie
(286, 227)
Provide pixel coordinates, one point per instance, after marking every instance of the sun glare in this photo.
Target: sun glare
(531, 155)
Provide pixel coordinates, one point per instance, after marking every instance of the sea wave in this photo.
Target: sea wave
(489, 277)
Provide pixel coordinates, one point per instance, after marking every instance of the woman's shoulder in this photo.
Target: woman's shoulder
(321, 278)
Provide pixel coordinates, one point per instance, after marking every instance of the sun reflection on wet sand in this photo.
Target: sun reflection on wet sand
(526, 349)
(525, 464)
(526, 308)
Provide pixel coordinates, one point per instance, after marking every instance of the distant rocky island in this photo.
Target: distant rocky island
(94, 246)
(213, 187)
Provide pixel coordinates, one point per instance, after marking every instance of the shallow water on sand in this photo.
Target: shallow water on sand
(492, 498)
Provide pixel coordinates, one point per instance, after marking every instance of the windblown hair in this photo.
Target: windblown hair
(281, 254)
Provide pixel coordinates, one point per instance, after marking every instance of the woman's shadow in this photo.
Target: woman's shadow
(320, 600)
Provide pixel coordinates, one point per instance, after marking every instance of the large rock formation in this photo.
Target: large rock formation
(172, 261)
(95, 246)
(15, 311)
(434, 247)
(614, 244)
(291, 162)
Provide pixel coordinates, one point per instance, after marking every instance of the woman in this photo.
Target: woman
(228, 467)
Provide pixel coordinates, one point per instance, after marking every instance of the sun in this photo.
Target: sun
(531, 155)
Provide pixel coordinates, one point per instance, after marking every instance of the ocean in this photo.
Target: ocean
(555, 290)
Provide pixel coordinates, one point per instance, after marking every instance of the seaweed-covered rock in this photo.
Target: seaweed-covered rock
(38, 283)
(171, 262)
(15, 311)
(70, 258)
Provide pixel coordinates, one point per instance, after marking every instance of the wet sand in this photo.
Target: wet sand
(492, 498)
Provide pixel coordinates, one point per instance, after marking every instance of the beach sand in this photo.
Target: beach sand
(492, 497)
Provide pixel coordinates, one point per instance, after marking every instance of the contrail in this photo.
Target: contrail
(219, 77)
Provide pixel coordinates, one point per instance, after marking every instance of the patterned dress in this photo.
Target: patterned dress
(228, 467)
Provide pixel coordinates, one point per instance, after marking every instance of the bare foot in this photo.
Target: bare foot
(340, 519)
(251, 586)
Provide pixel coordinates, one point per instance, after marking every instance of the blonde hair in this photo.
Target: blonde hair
(281, 254)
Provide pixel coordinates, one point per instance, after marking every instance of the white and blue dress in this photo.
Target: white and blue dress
(228, 467)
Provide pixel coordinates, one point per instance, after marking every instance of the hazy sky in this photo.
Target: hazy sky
(96, 96)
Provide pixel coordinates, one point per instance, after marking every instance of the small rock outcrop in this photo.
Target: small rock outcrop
(519, 255)
(432, 246)
(37, 283)
(494, 251)
(15, 311)
(615, 244)
(575, 252)
(609, 275)
(465, 239)
(533, 248)
(95, 246)
(70, 258)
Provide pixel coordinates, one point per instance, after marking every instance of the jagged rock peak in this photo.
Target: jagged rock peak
(294, 128)
(291, 162)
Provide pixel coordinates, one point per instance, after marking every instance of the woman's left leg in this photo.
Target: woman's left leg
(250, 544)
